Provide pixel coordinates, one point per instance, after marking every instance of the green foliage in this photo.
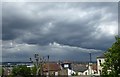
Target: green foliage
(21, 70)
(75, 74)
(111, 67)
(0, 71)
(33, 70)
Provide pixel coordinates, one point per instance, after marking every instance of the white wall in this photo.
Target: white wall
(70, 72)
(99, 68)
(87, 72)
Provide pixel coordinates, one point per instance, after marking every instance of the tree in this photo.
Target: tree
(33, 70)
(1, 70)
(21, 70)
(111, 67)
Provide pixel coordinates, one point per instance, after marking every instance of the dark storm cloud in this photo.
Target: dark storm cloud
(90, 25)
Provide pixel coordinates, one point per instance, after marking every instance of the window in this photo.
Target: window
(66, 65)
(100, 62)
(56, 73)
(100, 72)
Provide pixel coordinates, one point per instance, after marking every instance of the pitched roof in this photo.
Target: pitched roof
(101, 56)
(67, 62)
(80, 68)
(51, 67)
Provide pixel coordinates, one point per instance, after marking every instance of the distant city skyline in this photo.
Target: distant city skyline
(65, 31)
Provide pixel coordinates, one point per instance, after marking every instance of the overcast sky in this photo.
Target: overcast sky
(65, 31)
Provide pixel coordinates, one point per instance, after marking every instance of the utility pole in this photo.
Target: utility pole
(90, 63)
(39, 61)
(48, 66)
(36, 63)
(90, 57)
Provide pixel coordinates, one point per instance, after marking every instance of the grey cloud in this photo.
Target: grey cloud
(55, 50)
(72, 24)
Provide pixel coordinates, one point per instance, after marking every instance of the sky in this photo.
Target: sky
(65, 30)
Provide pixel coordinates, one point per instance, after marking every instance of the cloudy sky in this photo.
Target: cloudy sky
(65, 31)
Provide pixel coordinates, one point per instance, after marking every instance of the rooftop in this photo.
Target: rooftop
(101, 56)
(51, 67)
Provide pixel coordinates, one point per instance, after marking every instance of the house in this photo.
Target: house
(66, 65)
(85, 69)
(51, 69)
(100, 61)
(57, 69)
(79, 69)
(94, 68)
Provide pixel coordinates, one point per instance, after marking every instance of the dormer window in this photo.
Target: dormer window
(66, 65)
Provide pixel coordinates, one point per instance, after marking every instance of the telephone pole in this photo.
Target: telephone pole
(39, 61)
(90, 63)
(48, 66)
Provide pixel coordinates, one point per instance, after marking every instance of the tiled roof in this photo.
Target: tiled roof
(51, 67)
(80, 68)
